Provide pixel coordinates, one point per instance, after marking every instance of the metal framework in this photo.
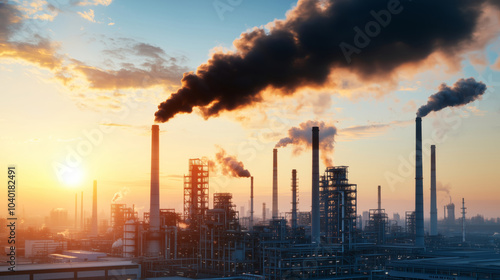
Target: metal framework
(196, 192)
(224, 249)
(120, 214)
(337, 206)
(377, 226)
(410, 223)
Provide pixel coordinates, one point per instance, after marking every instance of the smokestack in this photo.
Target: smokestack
(434, 213)
(154, 204)
(294, 199)
(419, 187)
(379, 198)
(315, 186)
(264, 212)
(93, 228)
(275, 184)
(251, 203)
(81, 212)
(76, 210)
(463, 219)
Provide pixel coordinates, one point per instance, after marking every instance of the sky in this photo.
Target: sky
(82, 81)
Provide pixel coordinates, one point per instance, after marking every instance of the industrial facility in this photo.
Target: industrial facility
(331, 242)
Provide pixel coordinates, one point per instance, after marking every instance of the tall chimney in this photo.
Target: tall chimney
(263, 212)
(379, 198)
(93, 228)
(154, 204)
(463, 219)
(81, 213)
(76, 211)
(434, 210)
(419, 187)
(315, 186)
(275, 184)
(294, 199)
(251, 204)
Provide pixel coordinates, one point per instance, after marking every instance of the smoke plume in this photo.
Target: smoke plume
(228, 165)
(370, 39)
(462, 92)
(119, 195)
(301, 138)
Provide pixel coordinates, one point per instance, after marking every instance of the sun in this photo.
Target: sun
(72, 176)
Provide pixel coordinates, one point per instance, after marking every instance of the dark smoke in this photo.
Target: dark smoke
(228, 165)
(301, 138)
(304, 49)
(462, 92)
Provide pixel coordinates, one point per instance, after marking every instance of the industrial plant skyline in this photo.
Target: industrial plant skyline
(79, 99)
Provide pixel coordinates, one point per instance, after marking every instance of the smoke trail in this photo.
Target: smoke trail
(228, 165)
(462, 92)
(380, 36)
(119, 195)
(301, 137)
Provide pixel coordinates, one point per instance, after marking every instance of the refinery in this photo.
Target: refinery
(332, 241)
(233, 139)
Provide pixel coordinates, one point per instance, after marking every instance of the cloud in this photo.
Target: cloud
(38, 9)
(496, 65)
(88, 15)
(371, 130)
(132, 64)
(93, 2)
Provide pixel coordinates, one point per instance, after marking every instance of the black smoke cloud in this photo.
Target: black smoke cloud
(301, 138)
(229, 165)
(302, 50)
(463, 91)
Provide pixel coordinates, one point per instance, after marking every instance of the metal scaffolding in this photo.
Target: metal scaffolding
(337, 206)
(196, 192)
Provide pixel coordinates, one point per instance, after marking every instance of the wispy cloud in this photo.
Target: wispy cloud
(131, 65)
(38, 9)
(89, 15)
(371, 130)
(93, 2)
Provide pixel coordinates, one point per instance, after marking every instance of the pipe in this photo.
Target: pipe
(275, 184)
(93, 229)
(419, 187)
(315, 227)
(251, 204)
(294, 199)
(433, 230)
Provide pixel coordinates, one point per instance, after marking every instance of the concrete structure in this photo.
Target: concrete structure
(94, 227)
(315, 223)
(275, 183)
(419, 187)
(433, 228)
(294, 199)
(251, 203)
(153, 246)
